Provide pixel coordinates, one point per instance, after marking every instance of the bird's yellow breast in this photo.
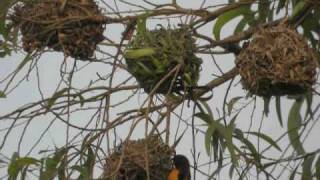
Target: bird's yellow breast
(173, 175)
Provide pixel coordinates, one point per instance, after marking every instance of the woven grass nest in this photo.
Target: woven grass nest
(129, 162)
(74, 28)
(277, 61)
(163, 60)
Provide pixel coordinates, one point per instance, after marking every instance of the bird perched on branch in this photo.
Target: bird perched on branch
(181, 170)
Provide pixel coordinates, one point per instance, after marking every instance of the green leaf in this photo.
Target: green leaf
(51, 164)
(231, 171)
(208, 136)
(240, 26)
(278, 109)
(266, 104)
(82, 100)
(250, 146)
(267, 139)
(226, 17)
(4, 7)
(142, 24)
(2, 94)
(24, 161)
(232, 102)
(89, 164)
(13, 168)
(294, 124)
(84, 175)
(55, 96)
(309, 99)
(24, 62)
(229, 142)
(318, 168)
(307, 167)
(139, 53)
(18, 165)
(264, 9)
(62, 168)
(293, 174)
(205, 117)
(207, 107)
(146, 69)
(297, 8)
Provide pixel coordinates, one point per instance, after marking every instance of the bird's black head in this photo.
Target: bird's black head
(182, 164)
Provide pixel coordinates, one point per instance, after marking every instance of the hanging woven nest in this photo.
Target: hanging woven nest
(74, 28)
(133, 158)
(277, 61)
(163, 60)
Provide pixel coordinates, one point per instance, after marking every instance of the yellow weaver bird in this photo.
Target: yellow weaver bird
(181, 170)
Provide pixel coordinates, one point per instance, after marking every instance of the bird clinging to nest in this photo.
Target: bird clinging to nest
(181, 170)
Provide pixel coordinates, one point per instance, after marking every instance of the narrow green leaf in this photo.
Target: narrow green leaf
(89, 164)
(142, 24)
(24, 173)
(205, 117)
(139, 53)
(278, 109)
(266, 102)
(55, 96)
(297, 8)
(50, 169)
(318, 168)
(208, 137)
(309, 99)
(62, 168)
(307, 167)
(24, 62)
(240, 26)
(229, 143)
(145, 69)
(2, 94)
(208, 108)
(226, 17)
(82, 100)
(264, 9)
(267, 139)
(233, 120)
(60, 154)
(83, 172)
(4, 7)
(294, 124)
(231, 171)
(251, 147)
(13, 168)
(25, 161)
(232, 103)
(293, 174)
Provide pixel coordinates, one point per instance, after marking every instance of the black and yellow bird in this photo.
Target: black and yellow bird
(181, 170)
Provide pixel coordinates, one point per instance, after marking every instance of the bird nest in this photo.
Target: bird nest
(74, 27)
(164, 60)
(277, 61)
(135, 157)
